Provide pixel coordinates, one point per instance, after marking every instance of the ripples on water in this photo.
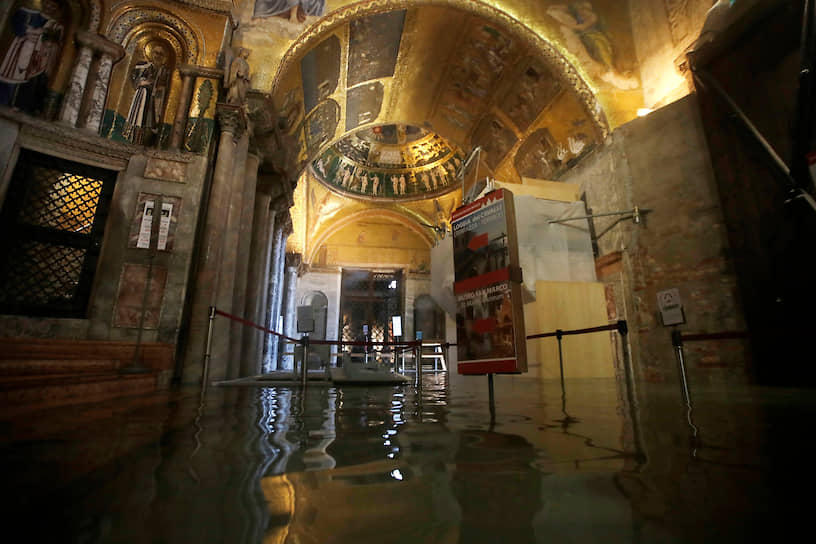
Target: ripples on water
(385, 464)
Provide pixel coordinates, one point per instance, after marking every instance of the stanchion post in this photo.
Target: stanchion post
(677, 342)
(208, 349)
(304, 363)
(631, 395)
(418, 361)
(491, 399)
(559, 334)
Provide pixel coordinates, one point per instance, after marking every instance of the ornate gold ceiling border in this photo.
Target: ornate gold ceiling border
(398, 217)
(560, 65)
(219, 6)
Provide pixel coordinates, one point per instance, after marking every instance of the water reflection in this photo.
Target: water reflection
(367, 464)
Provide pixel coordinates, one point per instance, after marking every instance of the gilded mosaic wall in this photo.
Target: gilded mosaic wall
(466, 71)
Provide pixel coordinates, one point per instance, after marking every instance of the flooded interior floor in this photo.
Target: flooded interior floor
(390, 464)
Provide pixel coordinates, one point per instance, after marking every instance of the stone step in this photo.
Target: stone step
(40, 367)
(24, 393)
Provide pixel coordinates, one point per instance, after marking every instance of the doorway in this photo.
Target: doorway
(368, 300)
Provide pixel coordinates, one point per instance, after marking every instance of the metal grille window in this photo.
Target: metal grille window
(53, 221)
(369, 298)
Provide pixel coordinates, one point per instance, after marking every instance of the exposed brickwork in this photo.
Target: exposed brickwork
(660, 163)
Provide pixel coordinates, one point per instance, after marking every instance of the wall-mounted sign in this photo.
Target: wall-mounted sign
(671, 307)
(490, 333)
(305, 319)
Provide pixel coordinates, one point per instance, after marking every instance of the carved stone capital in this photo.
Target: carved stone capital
(286, 224)
(270, 184)
(293, 260)
(280, 205)
(100, 44)
(193, 70)
(232, 119)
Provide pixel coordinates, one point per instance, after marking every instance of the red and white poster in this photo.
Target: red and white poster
(490, 333)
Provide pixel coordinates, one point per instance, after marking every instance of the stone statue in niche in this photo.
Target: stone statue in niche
(293, 10)
(150, 80)
(31, 56)
(236, 78)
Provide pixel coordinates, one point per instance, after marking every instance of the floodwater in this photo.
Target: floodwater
(385, 464)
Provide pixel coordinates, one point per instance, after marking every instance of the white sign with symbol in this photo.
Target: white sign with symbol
(671, 307)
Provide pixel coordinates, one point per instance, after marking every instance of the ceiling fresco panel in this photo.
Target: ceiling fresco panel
(495, 138)
(320, 69)
(529, 93)
(321, 125)
(363, 104)
(473, 74)
(374, 43)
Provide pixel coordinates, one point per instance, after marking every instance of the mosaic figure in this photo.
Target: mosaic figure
(293, 10)
(581, 25)
(150, 79)
(31, 57)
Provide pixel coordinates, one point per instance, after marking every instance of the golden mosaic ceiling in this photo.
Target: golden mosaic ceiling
(474, 77)
(392, 162)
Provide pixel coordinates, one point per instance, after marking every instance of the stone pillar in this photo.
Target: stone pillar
(260, 256)
(292, 266)
(72, 103)
(230, 256)
(211, 267)
(188, 77)
(275, 285)
(247, 210)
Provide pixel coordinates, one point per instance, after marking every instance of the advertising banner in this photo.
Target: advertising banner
(490, 332)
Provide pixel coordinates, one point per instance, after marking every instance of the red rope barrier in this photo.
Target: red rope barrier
(313, 342)
(576, 331)
(255, 325)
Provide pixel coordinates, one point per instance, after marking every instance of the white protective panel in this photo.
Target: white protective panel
(547, 252)
(442, 275)
(553, 251)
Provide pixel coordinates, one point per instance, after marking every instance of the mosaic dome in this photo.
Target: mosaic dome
(390, 162)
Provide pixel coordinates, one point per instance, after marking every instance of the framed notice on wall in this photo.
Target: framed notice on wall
(490, 333)
(143, 232)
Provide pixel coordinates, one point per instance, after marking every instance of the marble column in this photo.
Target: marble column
(274, 289)
(88, 89)
(230, 257)
(292, 267)
(188, 77)
(239, 301)
(260, 253)
(72, 103)
(100, 91)
(212, 269)
(110, 54)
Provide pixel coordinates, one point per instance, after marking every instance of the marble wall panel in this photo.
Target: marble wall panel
(131, 296)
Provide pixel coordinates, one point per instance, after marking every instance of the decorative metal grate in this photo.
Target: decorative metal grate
(61, 200)
(53, 221)
(39, 273)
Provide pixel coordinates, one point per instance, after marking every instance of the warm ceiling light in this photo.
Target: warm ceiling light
(643, 112)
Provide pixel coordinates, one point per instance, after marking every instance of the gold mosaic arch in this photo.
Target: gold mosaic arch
(403, 219)
(123, 23)
(559, 64)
